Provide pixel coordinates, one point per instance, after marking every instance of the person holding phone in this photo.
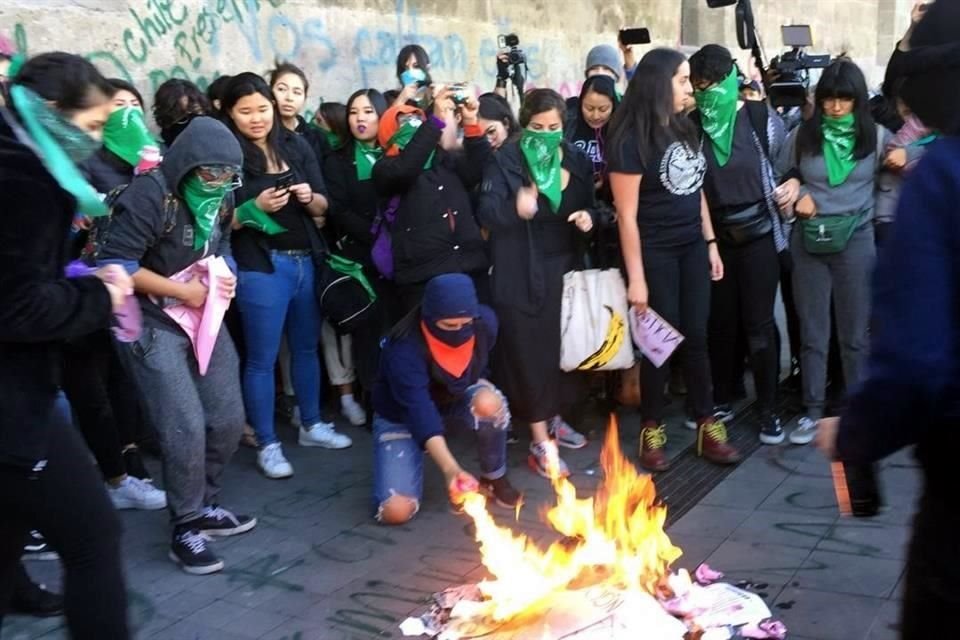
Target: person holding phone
(667, 238)
(280, 204)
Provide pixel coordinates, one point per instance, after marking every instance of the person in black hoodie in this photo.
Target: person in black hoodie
(536, 236)
(164, 222)
(427, 189)
(739, 140)
(59, 104)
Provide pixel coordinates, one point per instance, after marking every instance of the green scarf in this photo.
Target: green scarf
(204, 203)
(332, 138)
(125, 134)
(365, 155)
(62, 146)
(402, 138)
(839, 139)
(718, 114)
(541, 149)
(250, 215)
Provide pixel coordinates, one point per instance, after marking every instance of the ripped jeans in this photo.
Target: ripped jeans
(398, 459)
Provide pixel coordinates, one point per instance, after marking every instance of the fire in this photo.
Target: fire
(616, 538)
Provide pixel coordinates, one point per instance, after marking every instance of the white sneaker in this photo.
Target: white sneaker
(354, 413)
(545, 459)
(134, 493)
(805, 432)
(323, 435)
(272, 463)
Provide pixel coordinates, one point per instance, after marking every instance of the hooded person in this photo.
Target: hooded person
(909, 395)
(432, 382)
(163, 223)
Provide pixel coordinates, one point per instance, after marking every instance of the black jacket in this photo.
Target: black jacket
(515, 247)
(152, 227)
(106, 171)
(39, 307)
(435, 231)
(353, 206)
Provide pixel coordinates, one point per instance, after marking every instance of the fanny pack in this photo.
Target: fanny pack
(744, 226)
(829, 234)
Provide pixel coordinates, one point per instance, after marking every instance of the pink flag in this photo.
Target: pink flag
(202, 324)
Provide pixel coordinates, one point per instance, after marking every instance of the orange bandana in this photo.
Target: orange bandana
(453, 360)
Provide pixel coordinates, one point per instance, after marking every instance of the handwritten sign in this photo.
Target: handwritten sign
(654, 336)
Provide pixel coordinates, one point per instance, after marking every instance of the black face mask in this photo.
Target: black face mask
(169, 134)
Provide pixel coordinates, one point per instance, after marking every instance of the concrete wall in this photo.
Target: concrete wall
(342, 44)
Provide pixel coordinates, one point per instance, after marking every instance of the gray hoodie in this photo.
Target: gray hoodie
(150, 225)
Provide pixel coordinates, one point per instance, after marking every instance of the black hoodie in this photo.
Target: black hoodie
(142, 234)
(39, 307)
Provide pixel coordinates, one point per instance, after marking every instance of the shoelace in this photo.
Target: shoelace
(716, 431)
(219, 513)
(195, 541)
(655, 437)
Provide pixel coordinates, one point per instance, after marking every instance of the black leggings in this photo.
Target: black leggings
(744, 299)
(678, 282)
(67, 503)
(104, 398)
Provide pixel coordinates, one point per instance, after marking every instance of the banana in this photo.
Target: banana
(616, 330)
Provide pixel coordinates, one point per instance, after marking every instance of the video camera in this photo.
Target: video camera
(790, 71)
(515, 69)
(512, 42)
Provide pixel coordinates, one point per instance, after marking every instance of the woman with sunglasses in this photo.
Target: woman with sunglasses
(281, 203)
(165, 222)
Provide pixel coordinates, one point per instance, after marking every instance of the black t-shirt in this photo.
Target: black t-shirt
(668, 209)
(736, 185)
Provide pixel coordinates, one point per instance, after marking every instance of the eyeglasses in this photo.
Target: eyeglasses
(219, 176)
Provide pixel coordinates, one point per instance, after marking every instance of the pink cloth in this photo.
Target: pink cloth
(911, 131)
(128, 320)
(202, 324)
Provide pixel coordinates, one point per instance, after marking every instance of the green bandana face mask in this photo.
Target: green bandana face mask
(404, 135)
(126, 134)
(541, 150)
(718, 114)
(839, 140)
(62, 145)
(365, 156)
(204, 203)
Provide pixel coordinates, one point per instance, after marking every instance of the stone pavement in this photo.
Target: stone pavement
(318, 568)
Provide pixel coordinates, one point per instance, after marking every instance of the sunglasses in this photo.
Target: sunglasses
(220, 176)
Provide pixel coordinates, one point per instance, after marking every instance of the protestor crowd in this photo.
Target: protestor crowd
(180, 295)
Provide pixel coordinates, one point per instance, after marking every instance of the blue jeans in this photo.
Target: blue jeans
(268, 303)
(398, 459)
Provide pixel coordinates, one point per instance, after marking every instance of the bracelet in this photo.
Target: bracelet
(712, 241)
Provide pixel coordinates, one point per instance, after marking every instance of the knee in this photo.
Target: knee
(486, 403)
(397, 509)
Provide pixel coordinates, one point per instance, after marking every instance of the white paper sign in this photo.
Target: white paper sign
(654, 336)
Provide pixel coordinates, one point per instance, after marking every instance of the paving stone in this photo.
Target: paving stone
(867, 538)
(785, 529)
(706, 520)
(696, 549)
(758, 558)
(826, 616)
(886, 626)
(739, 494)
(846, 573)
(802, 495)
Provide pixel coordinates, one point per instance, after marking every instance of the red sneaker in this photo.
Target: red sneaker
(653, 439)
(712, 443)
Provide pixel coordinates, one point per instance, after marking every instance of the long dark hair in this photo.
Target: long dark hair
(335, 115)
(419, 54)
(285, 68)
(646, 117)
(123, 85)
(376, 101)
(494, 107)
(241, 86)
(602, 85)
(538, 101)
(842, 79)
(72, 83)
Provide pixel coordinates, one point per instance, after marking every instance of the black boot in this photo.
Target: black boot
(31, 599)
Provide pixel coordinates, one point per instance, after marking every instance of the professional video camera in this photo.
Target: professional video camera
(515, 65)
(790, 71)
(512, 42)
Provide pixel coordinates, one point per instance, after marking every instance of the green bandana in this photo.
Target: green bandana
(250, 215)
(332, 139)
(365, 156)
(16, 62)
(62, 146)
(718, 113)
(204, 203)
(126, 134)
(541, 149)
(402, 138)
(839, 139)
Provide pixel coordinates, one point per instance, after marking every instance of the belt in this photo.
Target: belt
(296, 253)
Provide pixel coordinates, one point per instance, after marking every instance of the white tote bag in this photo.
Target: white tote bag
(594, 331)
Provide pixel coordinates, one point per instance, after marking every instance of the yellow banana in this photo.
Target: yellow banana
(616, 330)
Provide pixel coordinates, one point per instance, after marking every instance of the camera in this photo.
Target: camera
(460, 91)
(791, 70)
(512, 42)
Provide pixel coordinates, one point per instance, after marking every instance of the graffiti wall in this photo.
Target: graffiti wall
(342, 45)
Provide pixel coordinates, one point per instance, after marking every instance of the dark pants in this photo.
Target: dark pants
(67, 503)
(790, 310)
(743, 301)
(678, 281)
(104, 397)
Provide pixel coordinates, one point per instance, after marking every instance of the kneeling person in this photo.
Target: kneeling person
(430, 381)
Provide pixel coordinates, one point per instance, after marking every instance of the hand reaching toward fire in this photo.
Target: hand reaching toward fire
(459, 484)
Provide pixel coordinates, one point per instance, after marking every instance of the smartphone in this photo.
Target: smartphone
(284, 181)
(639, 35)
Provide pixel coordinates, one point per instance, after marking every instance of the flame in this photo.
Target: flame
(614, 538)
